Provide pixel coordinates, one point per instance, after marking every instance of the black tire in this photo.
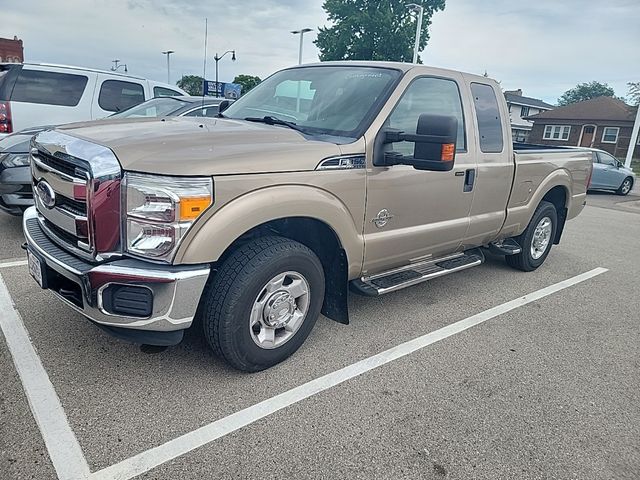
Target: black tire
(625, 186)
(524, 260)
(229, 298)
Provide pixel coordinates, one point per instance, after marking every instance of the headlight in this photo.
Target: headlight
(160, 211)
(10, 160)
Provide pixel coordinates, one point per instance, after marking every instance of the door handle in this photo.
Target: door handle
(469, 179)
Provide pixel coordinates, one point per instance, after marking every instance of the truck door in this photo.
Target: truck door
(494, 155)
(413, 214)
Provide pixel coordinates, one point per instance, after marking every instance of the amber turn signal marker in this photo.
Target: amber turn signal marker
(448, 150)
(192, 207)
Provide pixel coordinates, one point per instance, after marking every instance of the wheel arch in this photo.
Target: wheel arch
(321, 222)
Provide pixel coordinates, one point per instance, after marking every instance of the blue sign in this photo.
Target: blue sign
(222, 89)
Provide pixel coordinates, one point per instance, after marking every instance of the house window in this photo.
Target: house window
(556, 132)
(610, 134)
(524, 111)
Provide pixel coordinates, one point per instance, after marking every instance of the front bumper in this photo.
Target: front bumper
(175, 290)
(16, 192)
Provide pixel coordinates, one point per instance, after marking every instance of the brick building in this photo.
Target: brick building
(11, 51)
(603, 122)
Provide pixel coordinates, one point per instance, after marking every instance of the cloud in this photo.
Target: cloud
(544, 47)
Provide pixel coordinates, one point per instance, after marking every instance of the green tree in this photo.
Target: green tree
(634, 93)
(373, 29)
(247, 82)
(192, 84)
(585, 91)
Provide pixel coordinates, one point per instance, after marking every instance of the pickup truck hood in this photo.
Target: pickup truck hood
(203, 146)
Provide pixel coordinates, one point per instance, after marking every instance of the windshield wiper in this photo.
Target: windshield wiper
(269, 120)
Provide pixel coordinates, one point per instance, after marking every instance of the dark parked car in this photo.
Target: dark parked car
(15, 177)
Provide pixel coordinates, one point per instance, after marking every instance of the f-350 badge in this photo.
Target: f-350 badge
(382, 218)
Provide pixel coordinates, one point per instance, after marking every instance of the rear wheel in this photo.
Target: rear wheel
(263, 303)
(536, 240)
(626, 186)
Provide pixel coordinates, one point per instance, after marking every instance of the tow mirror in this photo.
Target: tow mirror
(435, 144)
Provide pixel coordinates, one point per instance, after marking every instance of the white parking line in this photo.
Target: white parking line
(63, 447)
(12, 263)
(145, 461)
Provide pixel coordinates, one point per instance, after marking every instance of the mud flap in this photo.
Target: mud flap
(336, 293)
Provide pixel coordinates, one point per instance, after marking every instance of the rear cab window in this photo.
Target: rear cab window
(488, 118)
(117, 95)
(49, 88)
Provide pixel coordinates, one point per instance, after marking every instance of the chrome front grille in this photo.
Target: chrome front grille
(76, 188)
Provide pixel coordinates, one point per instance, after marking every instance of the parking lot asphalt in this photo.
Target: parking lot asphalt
(548, 390)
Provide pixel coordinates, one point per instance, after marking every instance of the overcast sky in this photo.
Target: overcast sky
(542, 46)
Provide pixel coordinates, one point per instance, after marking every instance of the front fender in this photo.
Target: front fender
(212, 234)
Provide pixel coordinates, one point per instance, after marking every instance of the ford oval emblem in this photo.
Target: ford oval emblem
(46, 194)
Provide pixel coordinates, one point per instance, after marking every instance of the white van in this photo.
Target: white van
(44, 94)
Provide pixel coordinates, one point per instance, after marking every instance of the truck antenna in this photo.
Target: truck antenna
(204, 68)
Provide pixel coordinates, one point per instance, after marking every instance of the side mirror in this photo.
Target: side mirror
(224, 104)
(435, 144)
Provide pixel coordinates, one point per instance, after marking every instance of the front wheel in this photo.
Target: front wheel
(263, 303)
(625, 188)
(537, 239)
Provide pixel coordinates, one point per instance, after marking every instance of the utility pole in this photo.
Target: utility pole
(168, 53)
(633, 141)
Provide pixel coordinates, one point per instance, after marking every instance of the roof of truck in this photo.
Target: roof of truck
(404, 67)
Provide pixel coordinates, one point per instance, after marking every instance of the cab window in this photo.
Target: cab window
(116, 95)
(488, 117)
(208, 111)
(165, 92)
(437, 96)
(607, 159)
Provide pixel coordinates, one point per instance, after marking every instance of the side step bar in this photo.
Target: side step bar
(415, 273)
(508, 246)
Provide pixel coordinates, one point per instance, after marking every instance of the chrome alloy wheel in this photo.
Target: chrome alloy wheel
(626, 186)
(279, 310)
(541, 238)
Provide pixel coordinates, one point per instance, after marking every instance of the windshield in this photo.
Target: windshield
(156, 107)
(322, 100)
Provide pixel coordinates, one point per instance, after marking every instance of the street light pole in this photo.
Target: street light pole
(420, 11)
(217, 58)
(117, 65)
(301, 33)
(167, 53)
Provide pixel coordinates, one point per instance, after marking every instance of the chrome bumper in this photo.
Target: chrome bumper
(176, 290)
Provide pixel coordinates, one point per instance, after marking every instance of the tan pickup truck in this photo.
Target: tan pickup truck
(325, 178)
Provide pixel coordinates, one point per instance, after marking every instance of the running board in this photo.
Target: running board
(508, 246)
(409, 275)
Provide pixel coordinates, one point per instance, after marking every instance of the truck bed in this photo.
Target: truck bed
(537, 167)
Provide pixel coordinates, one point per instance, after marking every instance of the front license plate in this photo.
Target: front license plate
(35, 268)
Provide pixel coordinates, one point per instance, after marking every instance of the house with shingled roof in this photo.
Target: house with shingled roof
(520, 107)
(603, 122)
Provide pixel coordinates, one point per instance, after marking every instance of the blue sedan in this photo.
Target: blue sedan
(610, 174)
